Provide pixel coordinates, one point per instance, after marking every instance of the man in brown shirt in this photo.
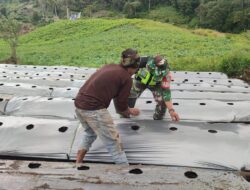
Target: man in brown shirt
(112, 81)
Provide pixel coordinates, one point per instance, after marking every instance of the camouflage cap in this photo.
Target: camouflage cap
(159, 60)
(130, 57)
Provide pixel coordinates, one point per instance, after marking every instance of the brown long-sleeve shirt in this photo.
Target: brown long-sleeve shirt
(111, 81)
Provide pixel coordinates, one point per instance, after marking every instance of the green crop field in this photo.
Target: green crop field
(94, 42)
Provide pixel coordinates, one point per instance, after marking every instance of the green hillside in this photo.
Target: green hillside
(93, 42)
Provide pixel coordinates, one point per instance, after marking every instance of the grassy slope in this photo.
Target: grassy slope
(93, 42)
(166, 14)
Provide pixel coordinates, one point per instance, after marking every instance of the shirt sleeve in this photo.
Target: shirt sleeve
(121, 101)
(166, 92)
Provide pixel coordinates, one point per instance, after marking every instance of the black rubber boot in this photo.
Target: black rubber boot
(160, 111)
(157, 117)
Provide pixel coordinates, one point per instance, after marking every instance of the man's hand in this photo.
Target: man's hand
(174, 115)
(134, 111)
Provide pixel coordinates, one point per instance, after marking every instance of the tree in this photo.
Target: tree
(131, 7)
(43, 6)
(9, 32)
(3, 11)
(187, 7)
(225, 16)
(88, 11)
(36, 17)
(117, 4)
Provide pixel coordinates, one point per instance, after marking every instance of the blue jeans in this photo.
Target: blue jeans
(100, 123)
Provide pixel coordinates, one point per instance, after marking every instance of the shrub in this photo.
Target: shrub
(235, 64)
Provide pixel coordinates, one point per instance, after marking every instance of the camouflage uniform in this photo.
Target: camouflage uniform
(161, 95)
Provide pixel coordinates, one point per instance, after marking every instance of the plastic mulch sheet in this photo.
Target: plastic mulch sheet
(34, 137)
(37, 119)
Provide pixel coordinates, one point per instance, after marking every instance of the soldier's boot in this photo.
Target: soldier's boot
(157, 116)
(160, 111)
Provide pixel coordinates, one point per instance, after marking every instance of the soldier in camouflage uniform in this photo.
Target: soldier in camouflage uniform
(154, 74)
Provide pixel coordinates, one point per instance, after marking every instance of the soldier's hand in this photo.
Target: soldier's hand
(134, 111)
(174, 116)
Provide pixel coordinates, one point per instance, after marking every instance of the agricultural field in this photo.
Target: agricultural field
(94, 42)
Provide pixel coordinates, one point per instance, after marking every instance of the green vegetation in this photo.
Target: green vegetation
(10, 30)
(94, 42)
(222, 15)
(166, 14)
(236, 64)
